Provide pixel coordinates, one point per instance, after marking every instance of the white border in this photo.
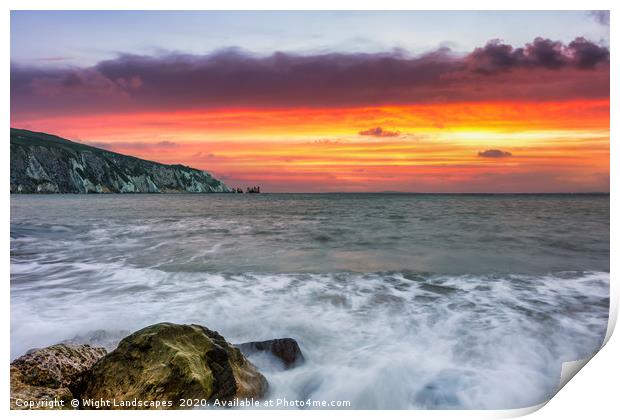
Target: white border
(593, 394)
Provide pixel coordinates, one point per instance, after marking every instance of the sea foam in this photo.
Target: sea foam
(379, 340)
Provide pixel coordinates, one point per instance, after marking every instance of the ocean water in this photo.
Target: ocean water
(397, 300)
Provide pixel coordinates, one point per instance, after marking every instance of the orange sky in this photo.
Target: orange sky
(554, 146)
(500, 118)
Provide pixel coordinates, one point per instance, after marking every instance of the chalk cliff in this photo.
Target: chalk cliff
(44, 163)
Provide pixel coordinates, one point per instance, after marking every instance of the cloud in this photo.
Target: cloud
(541, 53)
(134, 82)
(231, 78)
(166, 144)
(601, 16)
(55, 58)
(328, 141)
(494, 153)
(134, 145)
(586, 54)
(379, 132)
(62, 82)
(204, 155)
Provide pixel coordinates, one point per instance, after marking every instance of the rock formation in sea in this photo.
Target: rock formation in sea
(285, 349)
(170, 362)
(162, 362)
(44, 163)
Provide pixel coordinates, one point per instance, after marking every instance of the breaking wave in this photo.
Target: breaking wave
(379, 340)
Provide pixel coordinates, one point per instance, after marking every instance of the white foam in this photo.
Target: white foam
(385, 340)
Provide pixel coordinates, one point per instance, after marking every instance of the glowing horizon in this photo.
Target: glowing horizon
(497, 119)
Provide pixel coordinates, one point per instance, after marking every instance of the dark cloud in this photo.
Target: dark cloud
(544, 53)
(494, 153)
(232, 78)
(601, 16)
(494, 56)
(586, 54)
(379, 132)
(541, 53)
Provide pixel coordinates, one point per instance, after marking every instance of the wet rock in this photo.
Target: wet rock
(285, 349)
(168, 362)
(45, 374)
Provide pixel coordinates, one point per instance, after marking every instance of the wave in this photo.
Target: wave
(380, 340)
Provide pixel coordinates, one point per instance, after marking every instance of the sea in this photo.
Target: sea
(398, 301)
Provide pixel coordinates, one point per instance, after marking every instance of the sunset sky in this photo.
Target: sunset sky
(329, 101)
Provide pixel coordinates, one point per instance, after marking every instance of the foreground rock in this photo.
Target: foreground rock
(285, 349)
(170, 362)
(44, 375)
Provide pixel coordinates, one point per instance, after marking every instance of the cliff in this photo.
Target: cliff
(43, 163)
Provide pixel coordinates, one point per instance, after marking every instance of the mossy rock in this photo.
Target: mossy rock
(170, 362)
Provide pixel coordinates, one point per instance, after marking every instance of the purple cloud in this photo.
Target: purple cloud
(541, 53)
(232, 78)
(494, 153)
(379, 132)
(601, 16)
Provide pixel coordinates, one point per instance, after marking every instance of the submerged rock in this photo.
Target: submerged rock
(45, 374)
(285, 349)
(169, 362)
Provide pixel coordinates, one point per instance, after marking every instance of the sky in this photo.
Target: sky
(329, 101)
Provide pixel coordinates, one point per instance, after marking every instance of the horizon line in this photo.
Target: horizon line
(435, 193)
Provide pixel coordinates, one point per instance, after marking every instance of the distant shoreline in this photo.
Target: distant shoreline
(322, 193)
